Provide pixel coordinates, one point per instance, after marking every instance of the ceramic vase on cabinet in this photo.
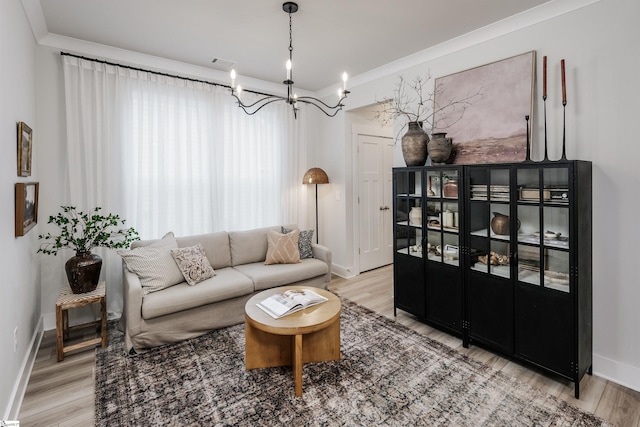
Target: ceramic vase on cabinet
(414, 145)
(439, 148)
(500, 224)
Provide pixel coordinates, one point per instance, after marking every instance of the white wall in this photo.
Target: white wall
(599, 45)
(20, 286)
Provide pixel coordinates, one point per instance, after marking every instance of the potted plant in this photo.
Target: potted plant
(83, 231)
(414, 102)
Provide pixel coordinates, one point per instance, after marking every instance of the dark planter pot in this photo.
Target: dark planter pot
(83, 272)
(414, 145)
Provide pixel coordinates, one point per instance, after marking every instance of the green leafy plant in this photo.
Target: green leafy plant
(82, 232)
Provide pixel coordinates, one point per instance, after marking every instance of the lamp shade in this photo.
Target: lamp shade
(315, 176)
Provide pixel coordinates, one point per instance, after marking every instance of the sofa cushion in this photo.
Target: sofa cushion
(269, 276)
(282, 248)
(193, 264)
(154, 264)
(304, 242)
(226, 284)
(216, 246)
(249, 246)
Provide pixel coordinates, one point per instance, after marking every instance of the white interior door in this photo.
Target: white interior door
(375, 158)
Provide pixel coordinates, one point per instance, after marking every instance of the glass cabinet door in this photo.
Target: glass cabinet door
(489, 221)
(442, 216)
(543, 239)
(408, 213)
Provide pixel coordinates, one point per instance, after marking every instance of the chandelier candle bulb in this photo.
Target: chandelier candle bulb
(345, 76)
(233, 79)
(288, 69)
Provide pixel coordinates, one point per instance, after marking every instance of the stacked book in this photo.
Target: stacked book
(498, 193)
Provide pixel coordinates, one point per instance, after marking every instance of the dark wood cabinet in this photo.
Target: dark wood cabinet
(507, 258)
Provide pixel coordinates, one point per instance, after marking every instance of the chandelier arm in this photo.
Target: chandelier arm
(335, 109)
(312, 100)
(272, 98)
(264, 101)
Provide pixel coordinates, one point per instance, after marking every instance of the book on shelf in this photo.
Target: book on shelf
(288, 302)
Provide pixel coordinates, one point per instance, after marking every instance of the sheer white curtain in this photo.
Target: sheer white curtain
(169, 154)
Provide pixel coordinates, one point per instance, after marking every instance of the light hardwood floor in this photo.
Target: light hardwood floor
(62, 394)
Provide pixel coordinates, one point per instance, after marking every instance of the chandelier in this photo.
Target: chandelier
(291, 98)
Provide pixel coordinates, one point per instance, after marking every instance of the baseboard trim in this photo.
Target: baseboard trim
(20, 387)
(344, 272)
(617, 372)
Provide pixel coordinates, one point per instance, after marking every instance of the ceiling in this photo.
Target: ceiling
(329, 36)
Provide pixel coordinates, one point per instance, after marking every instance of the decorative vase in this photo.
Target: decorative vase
(450, 188)
(500, 224)
(414, 145)
(83, 272)
(415, 215)
(439, 148)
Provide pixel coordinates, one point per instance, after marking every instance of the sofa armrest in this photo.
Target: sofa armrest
(322, 253)
(132, 295)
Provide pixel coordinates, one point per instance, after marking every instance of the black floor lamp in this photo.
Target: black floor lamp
(316, 176)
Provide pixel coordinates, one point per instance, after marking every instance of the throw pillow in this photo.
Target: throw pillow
(193, 263)
(282, 248)
(154, 264)
(304, 243)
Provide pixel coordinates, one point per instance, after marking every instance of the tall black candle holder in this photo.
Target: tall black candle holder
(544, 100)
(528, 158)
(564, 121)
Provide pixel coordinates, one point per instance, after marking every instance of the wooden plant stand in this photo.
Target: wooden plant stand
(67, 300)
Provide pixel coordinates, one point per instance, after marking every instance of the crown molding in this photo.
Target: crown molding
(528, 18)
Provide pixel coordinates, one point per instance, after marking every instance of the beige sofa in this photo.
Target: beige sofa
(181, 311)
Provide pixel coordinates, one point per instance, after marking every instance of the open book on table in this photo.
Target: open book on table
(285, 303)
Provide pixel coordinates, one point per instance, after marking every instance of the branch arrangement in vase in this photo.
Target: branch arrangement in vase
(82, 231)
(416, 101)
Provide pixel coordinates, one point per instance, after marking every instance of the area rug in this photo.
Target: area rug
(389, 375)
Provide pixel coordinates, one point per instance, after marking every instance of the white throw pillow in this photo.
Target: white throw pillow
(154, 264)
(193, 263)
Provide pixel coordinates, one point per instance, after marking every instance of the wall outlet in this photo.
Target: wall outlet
(15, 340)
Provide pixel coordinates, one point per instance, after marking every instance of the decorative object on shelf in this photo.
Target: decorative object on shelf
(26, 207)
(82, 232)
(500, 224)
(492, 131)
(415, 215)
(291, 98)
(450, 188)
(25, 144)
(316, 176)
(494, 258)
(439, 148)
(430, 191)
(528, 157)
(415, 102)
(414, 145)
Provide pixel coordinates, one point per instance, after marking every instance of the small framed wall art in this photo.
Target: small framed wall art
(25, 143)
(26, 207)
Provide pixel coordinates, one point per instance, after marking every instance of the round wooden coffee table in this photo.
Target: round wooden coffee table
(309, 335)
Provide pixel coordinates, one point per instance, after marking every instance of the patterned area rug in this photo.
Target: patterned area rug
(389, 375)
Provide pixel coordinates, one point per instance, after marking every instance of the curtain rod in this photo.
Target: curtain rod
(158, 73)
